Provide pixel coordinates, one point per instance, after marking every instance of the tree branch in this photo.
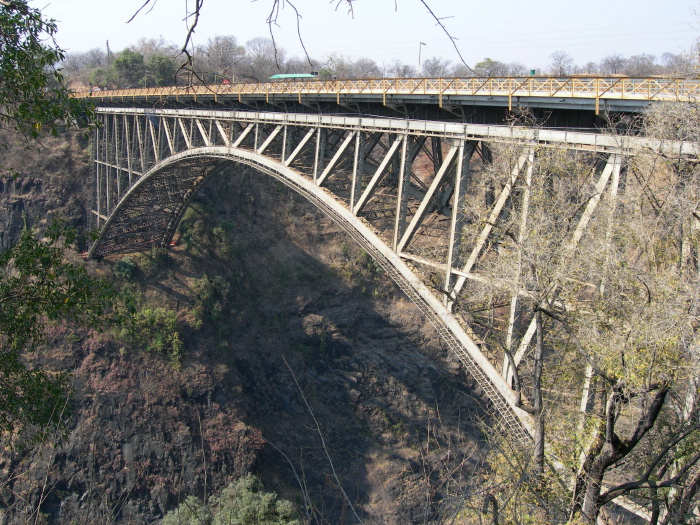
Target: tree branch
(141, 9)
(614, 492)
(452, 39)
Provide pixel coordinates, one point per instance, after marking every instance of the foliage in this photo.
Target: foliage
(154, 261)
(155, 330)
(190, 512)
(32, 95)
(241, 503)
(210, 297)
(491, 68)
(39, 286)
(201, 232)
(244, 502)
(193, 228)
(160, 71)
(225, 245)
(125, 268)
(130, 67)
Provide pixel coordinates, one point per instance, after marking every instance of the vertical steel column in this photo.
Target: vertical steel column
(428, 199)
(154, 140)
(168, 136)
(372, 184)
(436, 149)
(358, 168)
(490, 222)
(567, 250)
(587, 404)
(507, 372)
(117, 156)
(612, 203)
(98, 169)
(319, 161)
(461, 179)
(108, 169)
(402, 190)
(139, 138)
(285, 143)
(588, 391)
(210, 131)
(127, 131)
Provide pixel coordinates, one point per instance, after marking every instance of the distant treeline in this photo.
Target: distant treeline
(155, 62)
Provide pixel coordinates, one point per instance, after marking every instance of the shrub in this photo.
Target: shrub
(210, 298)
(155, 330)
(241, 503)
(125, 268)
(154, 261)
(244, 502)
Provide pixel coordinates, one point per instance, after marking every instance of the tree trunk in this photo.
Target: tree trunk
(537, 400)
(689, 492)
(593, 451)
(612, 450)
(591, 499)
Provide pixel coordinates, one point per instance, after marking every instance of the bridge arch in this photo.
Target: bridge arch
(183, 173)
(403, 189)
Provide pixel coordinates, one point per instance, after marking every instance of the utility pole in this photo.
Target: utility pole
(420, 48)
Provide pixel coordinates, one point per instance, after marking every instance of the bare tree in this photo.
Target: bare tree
(681, 64)
(613, 64)
(641, 66)
(460, 71)
(561, 64)
(398, 69)
(589, 68)
(366, 68)
(435, 67)
(262, 60)
(516, 69)
(300, 65)
(337, 66)
(599, 263)
(155, 46)
(221, 55)
(78, 66)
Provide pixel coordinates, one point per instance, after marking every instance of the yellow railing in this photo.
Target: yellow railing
(595, 88)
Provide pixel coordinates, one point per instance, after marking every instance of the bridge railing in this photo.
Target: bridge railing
(598, 88)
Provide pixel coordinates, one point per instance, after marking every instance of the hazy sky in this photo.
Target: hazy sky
(505, 30)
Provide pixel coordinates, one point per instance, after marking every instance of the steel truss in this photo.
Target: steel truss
(406, 191)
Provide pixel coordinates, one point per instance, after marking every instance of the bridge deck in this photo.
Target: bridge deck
(592, 93)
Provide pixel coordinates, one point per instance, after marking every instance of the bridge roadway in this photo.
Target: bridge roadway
(573, 102)
(420, 196)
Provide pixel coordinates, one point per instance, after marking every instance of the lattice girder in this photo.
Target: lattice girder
(423, 198)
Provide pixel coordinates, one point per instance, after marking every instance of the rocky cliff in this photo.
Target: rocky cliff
(302, 363)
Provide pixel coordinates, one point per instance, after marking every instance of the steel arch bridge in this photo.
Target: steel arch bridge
(404, 190)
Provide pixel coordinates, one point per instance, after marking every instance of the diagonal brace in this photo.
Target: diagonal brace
(423, 208)
(377, 175)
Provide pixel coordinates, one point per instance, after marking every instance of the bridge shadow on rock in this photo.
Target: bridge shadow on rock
(364, 412)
